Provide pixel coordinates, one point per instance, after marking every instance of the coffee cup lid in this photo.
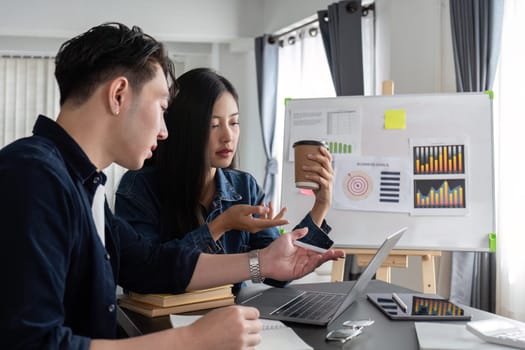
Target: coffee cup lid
(311, 143)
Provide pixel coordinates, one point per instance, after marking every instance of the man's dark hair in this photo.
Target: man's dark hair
(105, 52)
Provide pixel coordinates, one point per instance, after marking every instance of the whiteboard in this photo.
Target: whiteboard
(444, 209)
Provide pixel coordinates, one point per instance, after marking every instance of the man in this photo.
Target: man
(62, 252)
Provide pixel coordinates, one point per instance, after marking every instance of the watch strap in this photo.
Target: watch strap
(255, 267)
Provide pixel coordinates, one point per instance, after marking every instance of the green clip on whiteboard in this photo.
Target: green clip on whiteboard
(421, 161)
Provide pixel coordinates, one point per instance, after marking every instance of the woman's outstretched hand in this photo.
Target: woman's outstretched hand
(250, 218)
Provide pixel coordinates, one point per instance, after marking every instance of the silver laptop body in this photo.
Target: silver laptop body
(319, 308)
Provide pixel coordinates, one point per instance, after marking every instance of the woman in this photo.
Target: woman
(190, 192)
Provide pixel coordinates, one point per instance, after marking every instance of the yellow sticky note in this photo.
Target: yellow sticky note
(395, 119)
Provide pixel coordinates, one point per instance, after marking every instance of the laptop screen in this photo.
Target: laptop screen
(365, 277)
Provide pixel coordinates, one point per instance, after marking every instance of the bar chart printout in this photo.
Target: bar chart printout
(439, 159)
(439, 194)
(339, 147)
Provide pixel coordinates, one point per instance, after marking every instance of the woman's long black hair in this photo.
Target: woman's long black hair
(182, 160)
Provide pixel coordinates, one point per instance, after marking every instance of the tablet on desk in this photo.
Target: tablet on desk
(417, 307)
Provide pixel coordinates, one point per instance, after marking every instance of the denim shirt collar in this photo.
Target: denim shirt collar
(225, 189)
(74, 156)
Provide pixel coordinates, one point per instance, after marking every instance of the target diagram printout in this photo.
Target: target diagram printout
(371, 183)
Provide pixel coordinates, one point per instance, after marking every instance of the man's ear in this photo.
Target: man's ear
(118, 90)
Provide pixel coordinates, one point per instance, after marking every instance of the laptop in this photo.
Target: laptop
(315, 307)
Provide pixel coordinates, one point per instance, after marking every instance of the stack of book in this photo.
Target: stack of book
(153, 305)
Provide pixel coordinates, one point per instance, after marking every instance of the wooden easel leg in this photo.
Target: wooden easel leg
(384, 273)
(429, 274)
(338, 270)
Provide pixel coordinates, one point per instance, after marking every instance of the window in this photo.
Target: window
(509, 93)
(28, 88)
(304, 73)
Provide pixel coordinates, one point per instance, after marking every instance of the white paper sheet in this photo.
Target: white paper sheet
(441, 336)
(371, 183)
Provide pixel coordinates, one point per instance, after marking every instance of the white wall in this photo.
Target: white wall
(238, 64)
(279, 14)
(170, 20)
(420, 46)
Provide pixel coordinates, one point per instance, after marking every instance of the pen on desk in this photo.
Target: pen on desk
(399, 302)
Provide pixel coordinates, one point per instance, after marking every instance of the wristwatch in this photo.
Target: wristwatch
(255, 267)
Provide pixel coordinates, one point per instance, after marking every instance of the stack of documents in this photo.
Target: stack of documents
(153, 305)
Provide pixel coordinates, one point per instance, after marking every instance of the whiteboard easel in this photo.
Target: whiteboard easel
(397, 258)
(466, 115)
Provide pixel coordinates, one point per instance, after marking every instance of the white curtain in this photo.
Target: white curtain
(28, 88)
(508, 111)
(369, 53)
(303, 73)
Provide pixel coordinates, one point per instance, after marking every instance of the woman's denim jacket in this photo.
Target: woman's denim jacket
(138, 202)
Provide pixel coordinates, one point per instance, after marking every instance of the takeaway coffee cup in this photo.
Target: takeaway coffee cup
(301, 150)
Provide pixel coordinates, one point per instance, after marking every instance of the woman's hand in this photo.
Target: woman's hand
(323, 174)
(243, 217)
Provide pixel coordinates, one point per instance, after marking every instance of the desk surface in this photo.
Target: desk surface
(383, 334)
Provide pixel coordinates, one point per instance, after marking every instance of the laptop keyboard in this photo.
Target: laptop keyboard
(310, 305)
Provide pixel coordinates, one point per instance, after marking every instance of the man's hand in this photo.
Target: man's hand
(233, 327)
(284, 261)
(241, 217)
